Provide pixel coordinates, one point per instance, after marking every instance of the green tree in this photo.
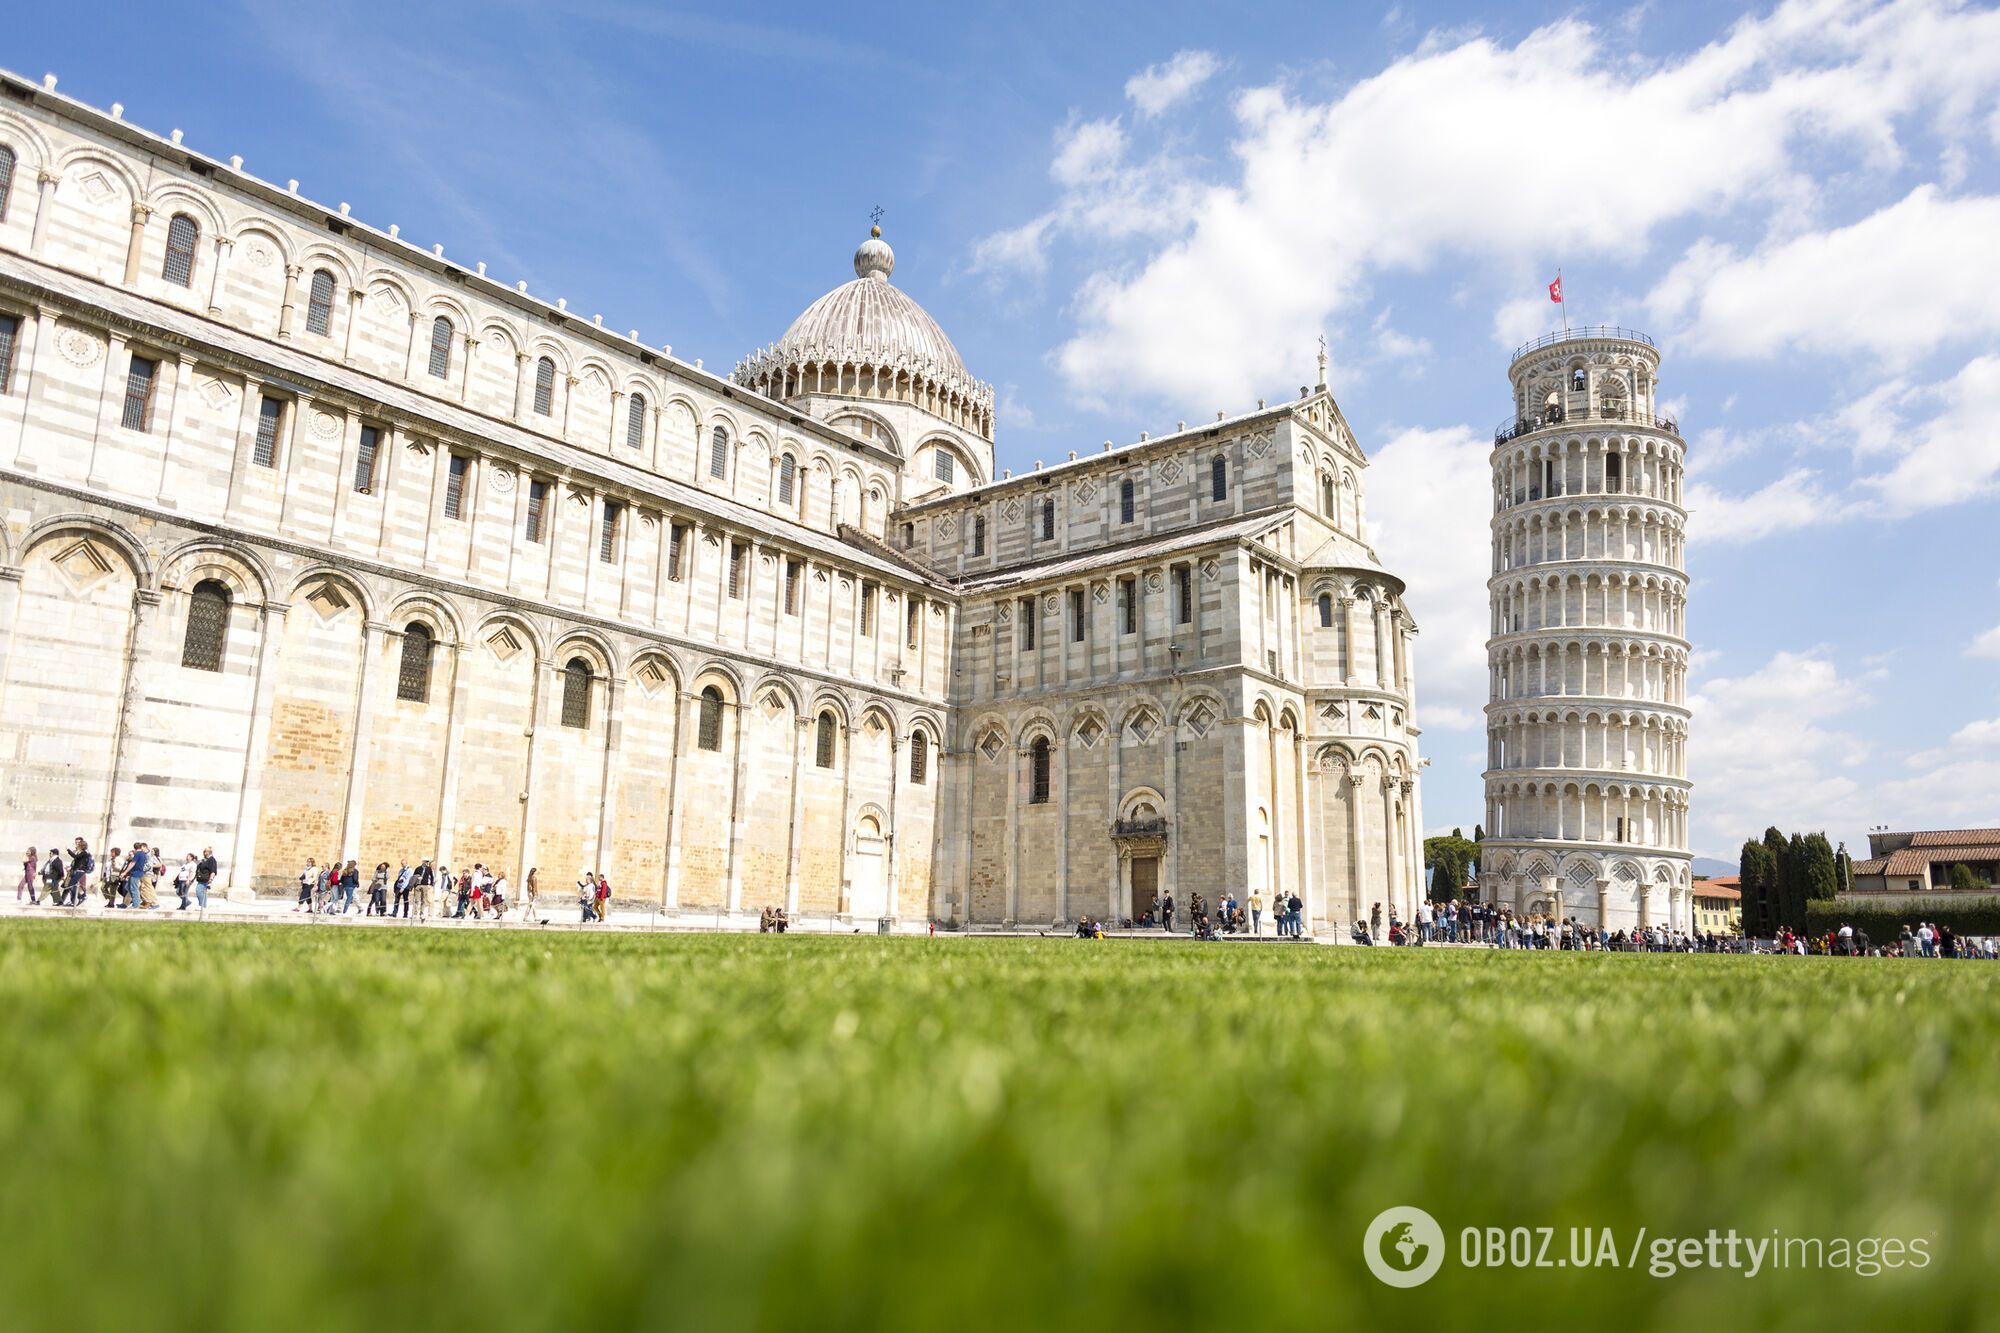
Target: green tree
(1479, 833)
(1757, 874)
(1450, 859)
(1963, 878)
(1822, 871)
(1792, 882)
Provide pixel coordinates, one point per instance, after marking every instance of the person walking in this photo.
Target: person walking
(204, 875)
(496, 896)
(530, 893)
(1167, 913)
(421, 883)
(603, 898)
(31, 870)
(1295, 912)
(135, 876)
(184, 880)
(401, 906)
(308, 880)
(52, 876)
(378, 891)
(113, 879)
(1256, 914)
(586, 895)
(81, 863)
(350, 884)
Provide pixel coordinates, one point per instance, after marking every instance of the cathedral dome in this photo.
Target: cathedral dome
(869, 338)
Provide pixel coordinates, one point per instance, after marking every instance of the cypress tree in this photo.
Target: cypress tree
(1755, 873)
(1822, 872)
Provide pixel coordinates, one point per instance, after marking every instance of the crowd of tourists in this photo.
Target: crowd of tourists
(133, 881)
(1925, 939)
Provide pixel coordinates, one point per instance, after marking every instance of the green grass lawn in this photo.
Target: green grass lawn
(274, 1128)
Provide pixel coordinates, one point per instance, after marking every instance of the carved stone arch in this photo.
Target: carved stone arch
(590, 644)
(1334, 757)
(630, 382)
(500, 332)
(252, 225)
(1041, 723)
(877, 710)
(1129, 805)
(31, 147)
(590, 361)
(331, 590)
(718, 415)
(238, 568)
(144, 575)
(720, 674)
(786, 690)
(654, 671)
(95, 158)
(318, 254)
(377, 278)
(445, 620)
(444, 303)
(1288, 719)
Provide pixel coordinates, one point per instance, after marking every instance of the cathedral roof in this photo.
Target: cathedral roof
(869, 322)
(1341, 551)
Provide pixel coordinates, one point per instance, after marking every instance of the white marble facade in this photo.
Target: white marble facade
(1586, 782)
(315, 542)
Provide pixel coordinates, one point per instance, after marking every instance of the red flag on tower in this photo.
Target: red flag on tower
(1556, 290)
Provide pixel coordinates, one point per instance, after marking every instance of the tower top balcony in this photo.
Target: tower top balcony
(1557, 416)
(1584, 333)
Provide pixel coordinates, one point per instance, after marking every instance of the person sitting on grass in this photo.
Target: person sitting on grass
(783, 922)
(1360, 933)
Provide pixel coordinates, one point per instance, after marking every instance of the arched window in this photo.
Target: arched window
(1048, 520)
(1125, 500)
(708, 734)
(545, 387)
(6, 178)
(979, 534)
(1578, 379)
(441, 347)
(823, 741)
(319, 303)
(1038, 772)
(576, 694)
(635, 422)
(207, 627)
(1326, 505)
(413, 674)
(920, 758)
(788, 471)
(944, 466)
(1218, 478)
(1326, 610)
(718, 453)
(182, 233)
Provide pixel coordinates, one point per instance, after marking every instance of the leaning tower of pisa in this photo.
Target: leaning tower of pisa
(1586, 731)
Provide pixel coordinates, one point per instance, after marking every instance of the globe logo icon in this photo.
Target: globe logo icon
(1403, 1246)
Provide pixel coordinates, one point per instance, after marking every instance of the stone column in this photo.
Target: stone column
(1302, 822)
(538, 713)
(354, 298)
(138, 657)
(734, 897)
(607, 806)
(1059, 785)
(249, 804)
(291, 300)
(895, 793)
(224, 247)
(802, 727)
(45, 182)
(454, 746)
(134, 246)
(670, 891)
(1355, 882)
(1017, 756)
(373, 636)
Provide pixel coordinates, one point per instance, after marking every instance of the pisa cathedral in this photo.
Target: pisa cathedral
(316, 542)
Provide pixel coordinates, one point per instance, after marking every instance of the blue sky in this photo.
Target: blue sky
(1129, 215)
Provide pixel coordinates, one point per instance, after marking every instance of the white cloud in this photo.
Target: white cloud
(1087, 152)
(1899, 283)
(1986, 645)
(1428, 508)
(1761, 752)
(1794, 500)
(1431, 157)
(1981, 735)
(1398, 346)
(1159, 87)
(1952, 457)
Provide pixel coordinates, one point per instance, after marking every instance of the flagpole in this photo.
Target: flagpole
(1563, 304)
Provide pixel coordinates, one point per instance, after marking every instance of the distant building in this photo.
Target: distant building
(1922, 862)
(1718, 906)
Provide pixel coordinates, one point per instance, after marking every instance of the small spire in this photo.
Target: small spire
(1322, 360)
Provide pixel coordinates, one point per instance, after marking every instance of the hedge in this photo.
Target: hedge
(1884, 918)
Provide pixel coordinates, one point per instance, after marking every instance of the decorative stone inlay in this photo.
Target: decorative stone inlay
(260, 254)
(97, 187)
(503, 480)
(79, 347)
(1210, 570)
(504, 643)
(216, 394)
(325, 425)
(1198, 719)
(1101, 594)
(1084, 490)
(386, 300)
(1011, 511)
(1089, 732)
(948, 527)
(1170, 471)
(992, 745)
(82, 563)
(1154, 582)
(1050, 604)
(327, 601)
(1002, 614)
